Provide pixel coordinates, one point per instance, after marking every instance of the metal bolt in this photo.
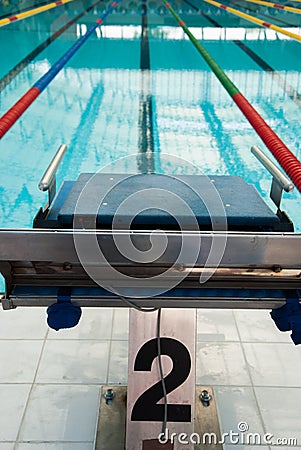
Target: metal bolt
(205, 397)
(67, 266)
(109, 395)
(179, 267)
(277, 268)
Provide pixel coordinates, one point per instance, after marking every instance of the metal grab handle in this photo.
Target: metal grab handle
(280, 181)
(50, 172)
(48, 180)
(284, 182)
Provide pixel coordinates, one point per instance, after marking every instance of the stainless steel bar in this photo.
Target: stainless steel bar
(242, 250)
(282, 180)
(167, 302)
(50, 172)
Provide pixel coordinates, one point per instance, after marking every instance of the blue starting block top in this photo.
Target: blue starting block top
(206, 197)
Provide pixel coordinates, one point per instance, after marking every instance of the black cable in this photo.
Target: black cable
(139, 308)
(135, 306)
(130, 303)
(164, 423)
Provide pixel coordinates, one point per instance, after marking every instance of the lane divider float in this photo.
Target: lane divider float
(16, 111)
(32, 12)
(275, 5)
(288, 89)
(288, 161)
(254, 19)
(6, 79)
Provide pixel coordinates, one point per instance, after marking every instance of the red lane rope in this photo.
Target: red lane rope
(288, 161)
(16, 111)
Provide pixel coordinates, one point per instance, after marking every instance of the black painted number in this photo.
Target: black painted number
(146, 407)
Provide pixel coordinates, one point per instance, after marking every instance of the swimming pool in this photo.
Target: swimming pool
(93, 104)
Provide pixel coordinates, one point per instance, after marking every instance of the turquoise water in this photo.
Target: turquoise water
(93, 106)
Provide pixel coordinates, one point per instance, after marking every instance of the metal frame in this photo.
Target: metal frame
(202, 301)
(243, 249)
(48, 180)
(255, 261)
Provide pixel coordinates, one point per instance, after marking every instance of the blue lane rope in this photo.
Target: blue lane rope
(16, 111)
(43, 82)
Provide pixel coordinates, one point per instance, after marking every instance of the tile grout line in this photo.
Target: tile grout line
(31, 389)
(249, 372)
(200, 341)
(76, 383)
(110, 346)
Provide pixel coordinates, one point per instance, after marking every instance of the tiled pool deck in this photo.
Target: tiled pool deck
(50, 382)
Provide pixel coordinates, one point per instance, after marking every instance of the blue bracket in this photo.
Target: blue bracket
(64, 313)
(288, 317)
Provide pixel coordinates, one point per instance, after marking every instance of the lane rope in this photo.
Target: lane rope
(287, 88)
(32, 12)
(20, 10)
(275, 5)
(254, 20)
(16, 111)
(288, 161)
(6, 79)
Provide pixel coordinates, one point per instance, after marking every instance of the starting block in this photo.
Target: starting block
(216, 244)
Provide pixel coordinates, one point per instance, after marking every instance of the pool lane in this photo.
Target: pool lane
(145, 158)
(12, 115)
(14, 48)
(32, 12)
(184, 91)
(92, 106)
(294, 21)
(9, 76)
(11, 10)
(197, 120)
(292, 93)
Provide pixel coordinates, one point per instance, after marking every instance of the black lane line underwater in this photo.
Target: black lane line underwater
(146, 129)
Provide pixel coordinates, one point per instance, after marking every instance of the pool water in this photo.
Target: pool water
(93, 104)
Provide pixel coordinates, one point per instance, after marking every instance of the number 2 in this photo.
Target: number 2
(146, 407)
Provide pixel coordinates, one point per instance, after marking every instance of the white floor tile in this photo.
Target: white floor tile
(61, 413)
(18, 360)
(221, 364)
(274, 364)
(281, 411)
(54, 446)
(236, 405)
(7, 445)
(118, 363)
(74, 361)
(216, 325)
(258, 326)
(95, 323)
(121, 323)
(13, 399)
(23, 323)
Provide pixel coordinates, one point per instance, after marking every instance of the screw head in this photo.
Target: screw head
(109, 395)
(205, 397)
(277, 268)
